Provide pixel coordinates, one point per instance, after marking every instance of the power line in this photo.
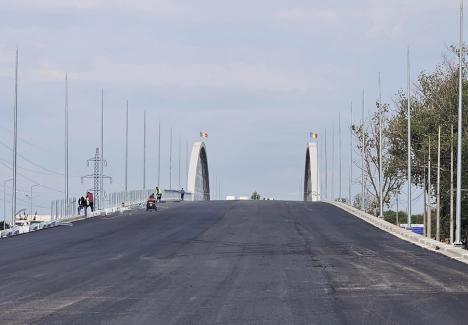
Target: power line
(33, 163)
(30, 179)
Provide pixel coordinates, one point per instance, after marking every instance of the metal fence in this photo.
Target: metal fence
(59, 210)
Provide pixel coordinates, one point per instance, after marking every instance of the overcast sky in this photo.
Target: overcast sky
(257, 75)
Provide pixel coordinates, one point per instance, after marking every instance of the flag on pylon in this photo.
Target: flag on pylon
(204, 135)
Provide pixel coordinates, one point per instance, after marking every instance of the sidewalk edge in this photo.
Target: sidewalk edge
(456, 253)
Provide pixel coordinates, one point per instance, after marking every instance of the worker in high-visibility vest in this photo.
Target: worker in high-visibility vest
(158, 193)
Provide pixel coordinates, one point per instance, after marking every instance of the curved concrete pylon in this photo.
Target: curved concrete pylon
(198, 181)
(311, 177)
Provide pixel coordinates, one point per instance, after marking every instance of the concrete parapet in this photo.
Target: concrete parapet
(405, 234)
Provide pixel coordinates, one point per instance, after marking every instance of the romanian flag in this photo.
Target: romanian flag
(313, 135)
(204, 135)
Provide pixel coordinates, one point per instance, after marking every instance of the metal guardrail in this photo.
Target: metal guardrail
(58, 208)
(61, 212)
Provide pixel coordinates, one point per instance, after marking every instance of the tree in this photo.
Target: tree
(392, 175)
(255, 196)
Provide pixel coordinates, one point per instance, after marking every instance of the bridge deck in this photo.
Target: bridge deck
(267, 262)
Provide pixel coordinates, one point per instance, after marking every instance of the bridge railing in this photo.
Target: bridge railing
(60, 211)
(115, 200)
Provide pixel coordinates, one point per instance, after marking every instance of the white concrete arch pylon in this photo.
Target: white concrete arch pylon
(311, 177)
(198, 182)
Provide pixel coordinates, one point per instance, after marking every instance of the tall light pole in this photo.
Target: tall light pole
(425, 196)
(31, 197)
(67, 208)
(15, 144)
(451, 185)
(144, 150)
(318, 195)
(4, 201)
(438, 190)
(429, 200)
(459, 131)
(180, 157)
(186, 163)
(350, 153)
(363, 152)
(380, 150)
(101, 196)
(326, 165)
(339, 148)
(170, 161)
(333, 164)
(159, 154)
(409, 136)
(397, 208)
(126, 148)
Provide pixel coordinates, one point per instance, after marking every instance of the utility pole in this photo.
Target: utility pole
(15, 145)
(363, 151)
(170, 162)
(438, 190)
(409, 137)
(339, 148)
(126, 149)
(451, 185)
(351, 155)
(380, 151)
(101, 197)
(67, 207)
(459, 131)
(429, 211)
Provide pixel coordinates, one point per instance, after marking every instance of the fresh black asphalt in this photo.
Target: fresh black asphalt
(245, 262)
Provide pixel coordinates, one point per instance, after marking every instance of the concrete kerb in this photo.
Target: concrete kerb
(69, 221)
(424, 242)
(110, 211)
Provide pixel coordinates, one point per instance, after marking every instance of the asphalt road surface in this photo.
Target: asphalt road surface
(266, 262)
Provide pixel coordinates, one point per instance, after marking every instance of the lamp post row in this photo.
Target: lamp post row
(457, 240)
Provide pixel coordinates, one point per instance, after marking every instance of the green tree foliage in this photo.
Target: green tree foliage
(434, 103)
(255, 196)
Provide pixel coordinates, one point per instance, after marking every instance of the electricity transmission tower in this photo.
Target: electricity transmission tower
(97, 176)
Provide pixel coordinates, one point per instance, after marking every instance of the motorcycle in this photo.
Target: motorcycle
(151, 205)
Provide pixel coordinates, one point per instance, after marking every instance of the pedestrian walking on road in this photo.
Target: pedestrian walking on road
(182, 194)
(81, 204)
(90, 199)
(158, 193)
